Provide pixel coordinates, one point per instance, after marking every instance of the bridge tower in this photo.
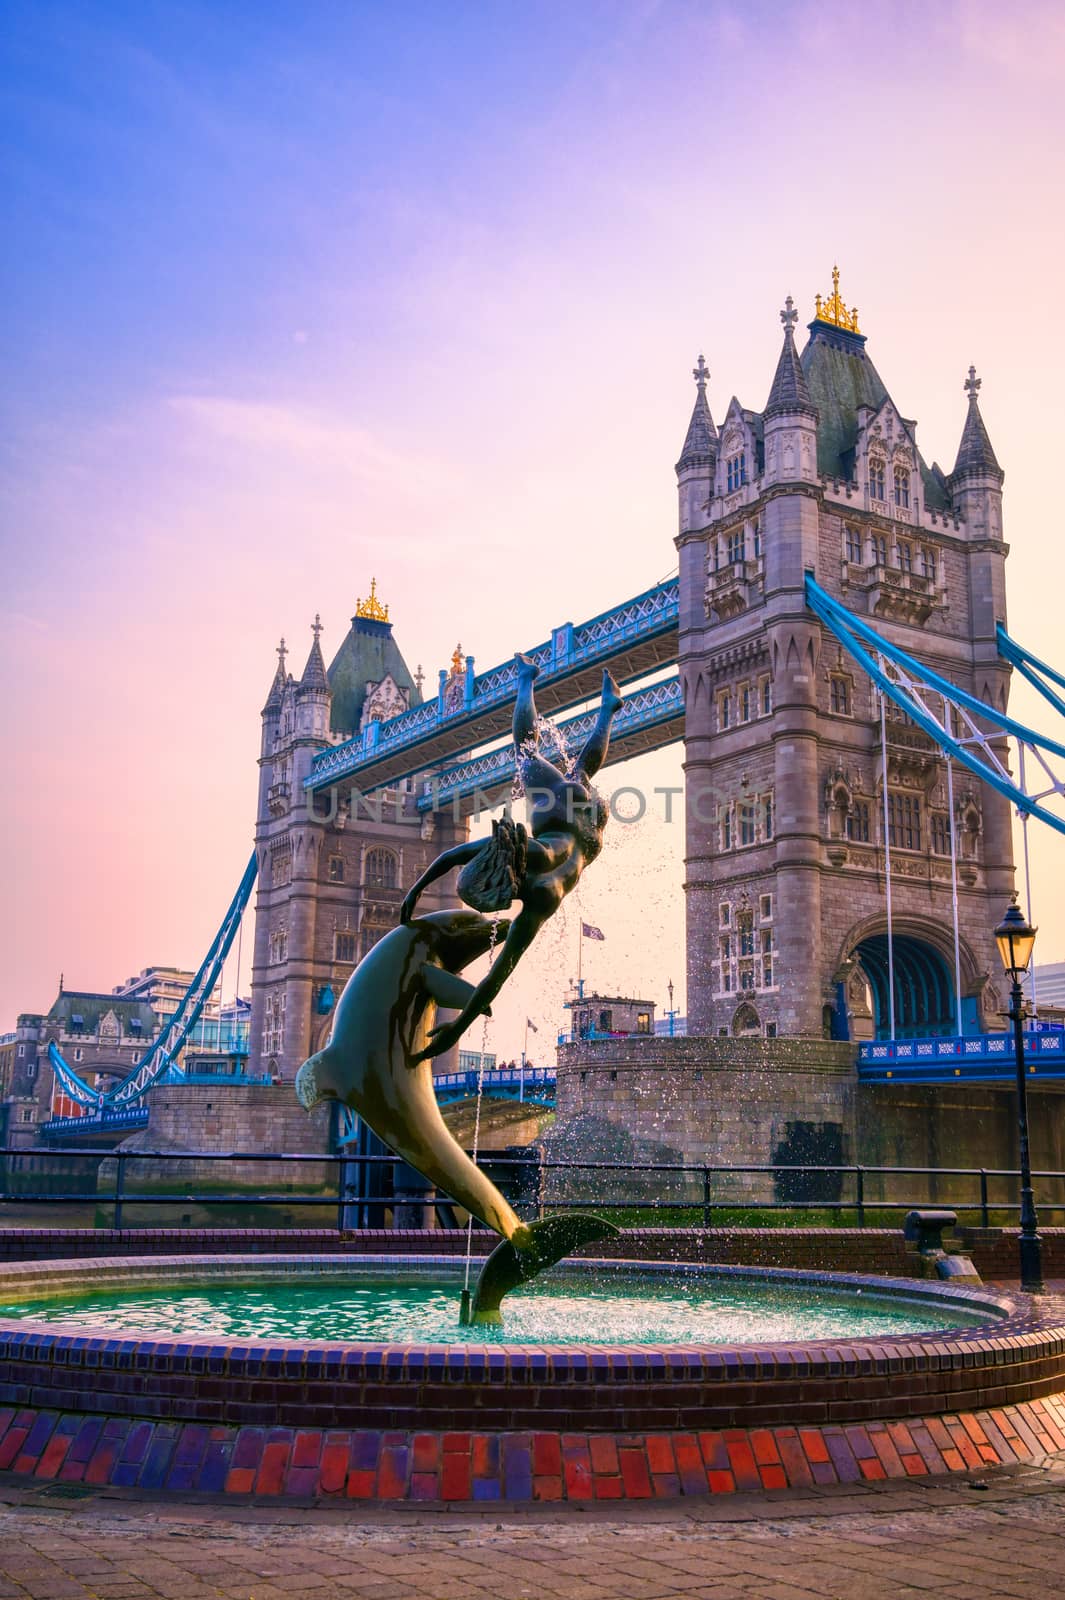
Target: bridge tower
(332, 872)
(786, 812)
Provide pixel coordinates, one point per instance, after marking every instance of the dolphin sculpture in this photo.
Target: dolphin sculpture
(382, 1024)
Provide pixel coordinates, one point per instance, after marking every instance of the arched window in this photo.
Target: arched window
(382, 869)
(876, 478)
(902, 487)
(746, 1022)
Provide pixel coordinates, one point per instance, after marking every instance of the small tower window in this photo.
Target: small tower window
(854, 545)
(904, 821)
(336, 869)
(736, 472)
(928, 563)
(756, 537)
(767, 696)
(841, 695)
(381, 869)
(876, 478)
(940, 834)
(735, 544)
(724, 710)
(902, 487)
(878, 549)
(767, 816)
(344, 947)
(726, 828)
(748, 831)
(858, 822)
(745, 703)
(725, 914)
(905, 549)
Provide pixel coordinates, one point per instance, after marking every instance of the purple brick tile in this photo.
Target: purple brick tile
(160, 1452)
(215, 1468)
(365, 1450)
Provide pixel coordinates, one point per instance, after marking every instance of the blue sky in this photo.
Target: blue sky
(303, 294)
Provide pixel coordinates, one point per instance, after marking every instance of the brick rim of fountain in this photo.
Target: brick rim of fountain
(467, 1423)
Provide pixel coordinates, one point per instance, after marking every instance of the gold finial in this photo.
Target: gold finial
(371, 607)
(456, 661)
(832, 309)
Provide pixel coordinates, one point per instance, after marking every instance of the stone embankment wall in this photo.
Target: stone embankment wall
(244, 1118)
(732, 1103)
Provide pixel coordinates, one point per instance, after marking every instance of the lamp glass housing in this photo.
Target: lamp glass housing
(1015, 938)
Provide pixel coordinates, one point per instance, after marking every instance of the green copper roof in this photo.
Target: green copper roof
(91, 1007)
(368, 654)
(842, 378)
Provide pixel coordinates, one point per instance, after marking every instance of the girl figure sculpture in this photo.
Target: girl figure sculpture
(566, 822)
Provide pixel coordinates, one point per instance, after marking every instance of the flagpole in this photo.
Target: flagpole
(580, 958)
(524, 1053)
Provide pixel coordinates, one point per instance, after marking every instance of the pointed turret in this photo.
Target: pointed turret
(700, 441)
(975, 455)
(277, 688)
(790, 392)
(314, 678)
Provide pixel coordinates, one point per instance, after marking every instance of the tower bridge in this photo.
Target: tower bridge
(833, 655)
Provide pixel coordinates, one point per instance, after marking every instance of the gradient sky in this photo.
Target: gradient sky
(300, 293)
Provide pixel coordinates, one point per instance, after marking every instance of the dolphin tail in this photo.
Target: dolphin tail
(529, 1252)
(308, 1090)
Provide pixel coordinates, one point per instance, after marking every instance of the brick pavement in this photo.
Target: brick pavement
(959, 1539)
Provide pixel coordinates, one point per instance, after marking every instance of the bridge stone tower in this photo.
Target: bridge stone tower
(786, 810)
(332, 874)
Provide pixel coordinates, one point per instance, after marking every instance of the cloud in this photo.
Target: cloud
(313, 437)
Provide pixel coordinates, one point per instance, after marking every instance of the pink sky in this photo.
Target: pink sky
(298, 310)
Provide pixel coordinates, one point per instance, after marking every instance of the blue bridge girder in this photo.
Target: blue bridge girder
(534, 1086)
(651, 717)
(973, 1058)
(633, 639)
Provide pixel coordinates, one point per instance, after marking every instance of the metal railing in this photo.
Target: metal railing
(528, 1179)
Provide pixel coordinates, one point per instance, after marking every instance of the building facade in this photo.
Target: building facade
(332, 873)
(788, 796)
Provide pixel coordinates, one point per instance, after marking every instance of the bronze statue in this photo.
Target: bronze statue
(567, 818)
(377, 1064)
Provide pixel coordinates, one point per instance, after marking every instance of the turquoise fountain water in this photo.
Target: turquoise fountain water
(571, 1310)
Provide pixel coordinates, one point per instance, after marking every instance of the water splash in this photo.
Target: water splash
(464, 1301)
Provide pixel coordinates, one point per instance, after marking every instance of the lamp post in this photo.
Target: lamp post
(1015, 938)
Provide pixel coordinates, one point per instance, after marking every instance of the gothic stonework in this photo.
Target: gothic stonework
(788, 794)
(332, 870)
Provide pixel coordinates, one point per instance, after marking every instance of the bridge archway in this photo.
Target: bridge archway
(925, 988)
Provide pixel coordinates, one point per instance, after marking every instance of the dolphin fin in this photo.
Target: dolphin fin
(535, 1248)
(447, 988)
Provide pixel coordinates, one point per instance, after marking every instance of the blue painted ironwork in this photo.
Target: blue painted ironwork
(536, 1085)
(975, 1058)
(903, 679)
(129, 1118)
(656, 706)
(1030, 667)
(159, 1058)
(570, 648)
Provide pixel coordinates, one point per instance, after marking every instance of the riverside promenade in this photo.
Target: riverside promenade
(982, 1537)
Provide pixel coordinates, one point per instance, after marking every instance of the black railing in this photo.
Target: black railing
(534, 1182)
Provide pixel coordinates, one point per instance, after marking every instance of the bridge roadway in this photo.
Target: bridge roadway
(633, 639)
(650, 718)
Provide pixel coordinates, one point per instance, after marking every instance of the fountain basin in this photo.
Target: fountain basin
(977, 1348)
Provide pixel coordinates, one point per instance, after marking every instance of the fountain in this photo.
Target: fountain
(353, 1374)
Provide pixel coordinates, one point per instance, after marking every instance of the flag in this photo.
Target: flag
(531, 1025)
(588, 932)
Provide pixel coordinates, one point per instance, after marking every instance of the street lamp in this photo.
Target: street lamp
(1016, 940)
(671, 1014)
